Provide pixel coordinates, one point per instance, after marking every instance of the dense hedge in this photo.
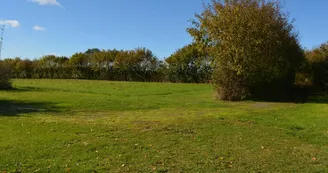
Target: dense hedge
(117, 65)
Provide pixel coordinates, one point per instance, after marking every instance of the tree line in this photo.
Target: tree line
(186, 65)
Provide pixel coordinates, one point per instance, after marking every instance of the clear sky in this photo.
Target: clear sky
(64, 27)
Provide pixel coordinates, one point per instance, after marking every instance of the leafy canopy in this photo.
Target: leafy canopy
(253, 45)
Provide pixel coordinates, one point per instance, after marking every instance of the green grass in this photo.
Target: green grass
(100, 126)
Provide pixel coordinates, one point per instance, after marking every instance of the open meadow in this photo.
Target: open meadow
(102, 126)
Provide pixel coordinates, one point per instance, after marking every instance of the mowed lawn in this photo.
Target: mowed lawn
(100, 126)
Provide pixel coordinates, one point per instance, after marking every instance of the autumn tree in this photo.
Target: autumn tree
(254, 46)
(318, 65)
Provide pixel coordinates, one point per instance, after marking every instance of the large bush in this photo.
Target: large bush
(4, 77)
(255, 49)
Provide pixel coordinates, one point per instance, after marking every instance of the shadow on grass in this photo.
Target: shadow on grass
(314, 98)
(16, 108)
(296, 94)
(318, 98)
(24, 89)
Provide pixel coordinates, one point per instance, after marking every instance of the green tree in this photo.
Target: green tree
(146, 64)
(188, 64)
(51, 66)
(135, 65)
(255, 49)
(80, 64)
(24, 68)
(92, 51)
(79, 60)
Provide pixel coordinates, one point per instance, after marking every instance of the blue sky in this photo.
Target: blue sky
(64, 27)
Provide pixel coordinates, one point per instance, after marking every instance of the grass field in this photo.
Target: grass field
(100, 126)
